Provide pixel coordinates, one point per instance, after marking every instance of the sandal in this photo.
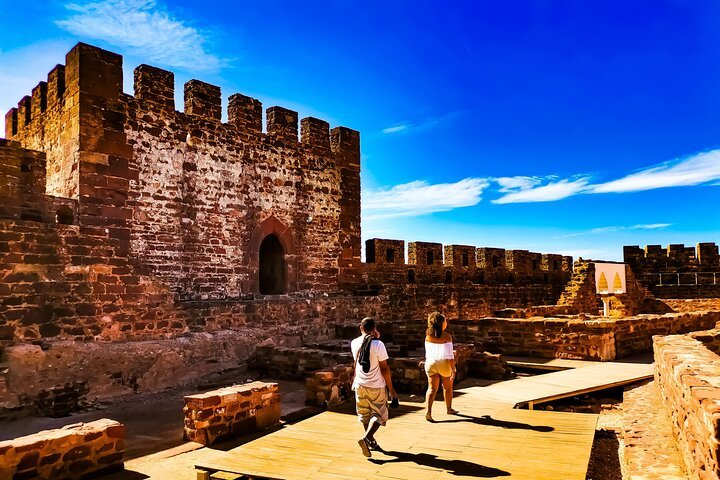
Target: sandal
(365, 447)
(452, 411)
(429, 417)
(373, 445)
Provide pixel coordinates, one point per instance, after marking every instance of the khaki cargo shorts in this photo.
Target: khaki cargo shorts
(371, 402)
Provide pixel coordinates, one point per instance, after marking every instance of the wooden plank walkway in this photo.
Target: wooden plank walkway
(554, 364)
(489, 439)
(565, 383)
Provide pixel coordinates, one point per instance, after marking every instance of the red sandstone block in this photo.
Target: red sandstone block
(202, 401)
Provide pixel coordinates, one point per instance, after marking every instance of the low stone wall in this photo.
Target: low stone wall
(73, 451)
(686, 372)
(50, 379)
(329, 387)
(693, 304)
(581, 338)
(297, 363)
(231, 411)
(685, 291)
(490, 366)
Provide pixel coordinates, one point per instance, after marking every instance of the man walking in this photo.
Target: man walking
(372, 378)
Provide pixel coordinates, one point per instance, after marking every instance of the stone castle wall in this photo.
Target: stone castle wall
(190, 195)
(596, 339)
(686, 368)
(677, 271)
(433, 263)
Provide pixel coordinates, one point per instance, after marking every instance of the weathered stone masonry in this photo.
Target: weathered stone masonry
(677, 271)
(687, 368)
(129, 227)
(133, 221)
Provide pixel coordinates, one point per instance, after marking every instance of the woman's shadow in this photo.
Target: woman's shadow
(488, 420)
(455, 467)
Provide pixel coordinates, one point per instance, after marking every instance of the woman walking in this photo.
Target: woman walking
(439, 362)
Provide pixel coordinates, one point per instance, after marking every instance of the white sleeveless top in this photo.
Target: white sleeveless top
(438, 351)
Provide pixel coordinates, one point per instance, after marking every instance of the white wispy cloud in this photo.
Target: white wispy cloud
(619, 228)
(647, 226)
(143, 27)
(694, 170)
(420, 198)
(699, 169)
(426, 124)
(512, 184)
(532, 189)
(395, 129)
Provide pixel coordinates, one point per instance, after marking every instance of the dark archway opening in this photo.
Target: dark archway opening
(64, 215)
(272, 266)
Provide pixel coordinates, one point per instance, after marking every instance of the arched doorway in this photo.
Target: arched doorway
(272, 266)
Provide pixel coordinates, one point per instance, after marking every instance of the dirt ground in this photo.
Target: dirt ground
(154, 421)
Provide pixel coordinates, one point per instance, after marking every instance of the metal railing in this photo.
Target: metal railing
(681, 278)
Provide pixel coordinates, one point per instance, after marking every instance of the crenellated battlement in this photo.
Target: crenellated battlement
(677, 271)
(434, 263)
(45, 95)
(673, 258)
(91, 70)
(171, 181)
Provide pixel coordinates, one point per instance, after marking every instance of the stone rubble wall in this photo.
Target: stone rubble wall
(463, 300)
(73, 451)
(582, 339)
(51, 380)
(324, 371)
(490, 366)
(330, 387)
(700, 292)
(688, 375)
(693, 304)
(231, 411)
(580, 295)
(45, 377)
(297, 362)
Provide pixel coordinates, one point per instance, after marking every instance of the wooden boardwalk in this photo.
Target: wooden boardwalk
(566, 383)
(489, 439)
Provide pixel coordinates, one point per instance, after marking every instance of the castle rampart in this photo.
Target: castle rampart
(167, 182)
(123, 220)
(677, 271)
(385, 263)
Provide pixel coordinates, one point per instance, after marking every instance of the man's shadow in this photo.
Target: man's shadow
(488, 420)
(455, 467)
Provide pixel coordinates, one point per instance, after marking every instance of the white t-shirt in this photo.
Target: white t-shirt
(378, 353)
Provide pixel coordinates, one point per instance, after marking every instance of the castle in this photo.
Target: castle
(142, 247)
(124, 220)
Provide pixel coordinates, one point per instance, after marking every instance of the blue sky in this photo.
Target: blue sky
(571, 127)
